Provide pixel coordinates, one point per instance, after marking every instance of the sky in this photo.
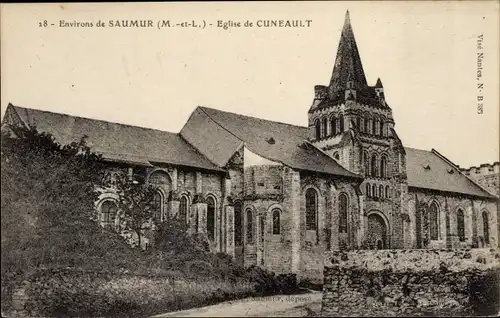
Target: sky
(424, 52)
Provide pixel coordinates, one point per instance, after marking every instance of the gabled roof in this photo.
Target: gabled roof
(431, 170)
(116, 142)
(219, 130)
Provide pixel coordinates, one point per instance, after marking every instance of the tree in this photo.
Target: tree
(135, 203)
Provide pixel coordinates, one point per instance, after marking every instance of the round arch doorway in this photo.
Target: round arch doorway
(377, 231)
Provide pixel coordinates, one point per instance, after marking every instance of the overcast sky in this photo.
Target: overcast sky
(424, 52)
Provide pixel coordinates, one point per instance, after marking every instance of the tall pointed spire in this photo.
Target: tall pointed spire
(348, 65)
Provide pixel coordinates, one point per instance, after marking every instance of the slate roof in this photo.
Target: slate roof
(210, 138)
(272, 140)
(348, 67)
(431, 170)
(116, 142)
(348, 64)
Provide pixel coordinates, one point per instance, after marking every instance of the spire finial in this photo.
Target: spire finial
(347, 19)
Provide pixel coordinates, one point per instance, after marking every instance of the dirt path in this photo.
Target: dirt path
(276, 306)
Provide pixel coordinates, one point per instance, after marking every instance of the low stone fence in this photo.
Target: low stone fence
(411, 283)
(72, 292)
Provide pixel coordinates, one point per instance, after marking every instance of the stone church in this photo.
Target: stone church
(278, 195)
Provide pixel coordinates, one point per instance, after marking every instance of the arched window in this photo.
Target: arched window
(368, 190)
(108, 213)
(183, 208)
(382, 128)
(374, 190)
(367, 124)
(486, 228)
(460, 225)
(238, 238)
(157, 205)
(339, 121)
(366, 163)
(311, 209)
(383, 167)
(276, 221)
(325, 127)
(374, 166)
(336, 156)
(211, 217)
(434, 221)
(249, 226)
(387, 192)
(381, 191)
(317, 128)
(358, 123)
(343, 207)
(374, 126)
(333, 128)
(262, 229)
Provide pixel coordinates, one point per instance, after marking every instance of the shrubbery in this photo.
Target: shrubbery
(48, 223)
(484, 294)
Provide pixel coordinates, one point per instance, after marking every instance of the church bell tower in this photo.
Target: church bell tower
(352, 122)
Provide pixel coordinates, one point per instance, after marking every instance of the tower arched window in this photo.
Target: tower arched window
(211, 217)
(366, 162)
(486, 227)
(249, 229)
(383, 167)
(381, 191)
(108, 213)
(311, 209)
(368, 190)
(382, 125)
(374, 190)
(358, 123)
(343, 207)
(157, 206)
(276, 221)
(387, 192)
(374, 126)
(184, 208)
(325, 127)
(341, 125)
(460, 225)
(374, 166)
(367, 124)
(317, 128)
(333, 123)
(434, 221)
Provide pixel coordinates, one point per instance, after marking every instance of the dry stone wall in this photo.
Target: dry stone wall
(411, 282)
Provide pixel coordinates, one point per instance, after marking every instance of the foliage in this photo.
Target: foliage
(47, 209)
(484, 294)
(42, 181)
(135, 202)
(48, 223)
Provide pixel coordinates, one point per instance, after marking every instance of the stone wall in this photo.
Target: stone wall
(407, 282)
(75, 292)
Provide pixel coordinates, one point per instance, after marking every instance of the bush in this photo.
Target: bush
(48, 224)
(484, 294)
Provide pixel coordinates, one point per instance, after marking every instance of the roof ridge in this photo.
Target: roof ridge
(93, 119)
(253, 117)
(442, 157)
(215, 121)
(329, 157)
(197, 150)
